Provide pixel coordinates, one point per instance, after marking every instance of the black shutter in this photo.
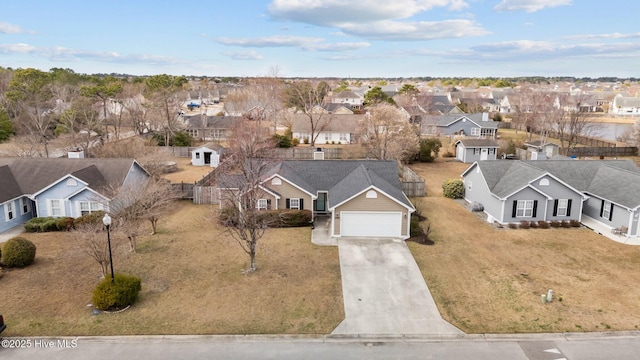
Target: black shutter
(288, 205)
(514, 209)
(268, 204)
(301, 204)
(535, 207)
(555, 207)
(602, 208)
(569, 207)
(611, 212)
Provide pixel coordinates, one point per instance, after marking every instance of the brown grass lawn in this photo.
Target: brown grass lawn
(186, 172)
(488, 280)
(192, 283)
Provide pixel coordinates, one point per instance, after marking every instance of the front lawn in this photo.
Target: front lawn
(488, 280)
(192, 283)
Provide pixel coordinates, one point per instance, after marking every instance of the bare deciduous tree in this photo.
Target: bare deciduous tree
(386, 134)
(249, 158)
(93, 242)
(305, 97)
(572, 121)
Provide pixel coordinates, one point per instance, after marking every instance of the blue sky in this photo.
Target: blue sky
(317, 38)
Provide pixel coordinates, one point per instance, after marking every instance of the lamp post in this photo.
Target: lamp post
(106, 220)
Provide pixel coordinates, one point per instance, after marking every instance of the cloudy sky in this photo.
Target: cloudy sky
(316, 38)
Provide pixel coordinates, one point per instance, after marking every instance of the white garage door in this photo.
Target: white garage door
(370, 224)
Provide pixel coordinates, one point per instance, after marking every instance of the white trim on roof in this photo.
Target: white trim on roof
(372, 187)
(313, 197)
(57, 182)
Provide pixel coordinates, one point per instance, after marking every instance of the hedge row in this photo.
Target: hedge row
(47, 224)
(271, 218)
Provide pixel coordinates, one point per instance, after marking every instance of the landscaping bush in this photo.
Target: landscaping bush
(117, 295)
(533, 224)
(574, 223)
(453, 188)
(525, 224)
(46, 224)
(476, 206)
(93, 218)
(565, 224)
(554, 223)
(286, 218)
(18, 252)
(429, 149)
(513, 226)
(414, 229)
(229, 216)
(543, 224)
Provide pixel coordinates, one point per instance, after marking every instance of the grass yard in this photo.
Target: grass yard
(192, 283)
(186, 172)
(488, 280)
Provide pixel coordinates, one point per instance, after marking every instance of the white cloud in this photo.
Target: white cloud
(337, 46)
(604, 36)
(375, 19)
(244, 55)
(6, 28)
(529, 5)
(526, 50)
(332, 12)
(394, 30)
(16, 48)
(59, 53)
(271, 41)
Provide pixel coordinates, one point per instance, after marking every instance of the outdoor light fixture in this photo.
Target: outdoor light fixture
(106, 220)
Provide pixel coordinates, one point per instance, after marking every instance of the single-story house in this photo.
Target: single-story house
(472, 125)
(330, 128)
(42, 187)
(208, 128)
(362, 198)
(607, 191)
(207, 155)
(470, 150)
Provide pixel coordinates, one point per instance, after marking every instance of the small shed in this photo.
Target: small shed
(207, 155)
(541, 150)
(471, 150)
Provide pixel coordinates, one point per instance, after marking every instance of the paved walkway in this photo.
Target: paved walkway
(384, 292)
(13, 232)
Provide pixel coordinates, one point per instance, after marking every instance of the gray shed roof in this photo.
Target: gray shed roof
(489, 143)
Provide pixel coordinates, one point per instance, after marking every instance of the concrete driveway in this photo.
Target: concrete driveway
(384, 291)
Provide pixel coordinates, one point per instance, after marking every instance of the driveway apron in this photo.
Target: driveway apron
(384, 291)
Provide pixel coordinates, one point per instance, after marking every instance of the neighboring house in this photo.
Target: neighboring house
(473, 125)
(208, 128)
(606, 191)
(541, 150)
(349, 98)
(363, 198)
(207, 155)
(623, 105)
(414, 113)
(331, 128)
(470, 150)
(31, 187)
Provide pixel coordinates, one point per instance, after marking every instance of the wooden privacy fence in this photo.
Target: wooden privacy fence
(412, 183)
(206, 195)
(602, 151)
(306, 153)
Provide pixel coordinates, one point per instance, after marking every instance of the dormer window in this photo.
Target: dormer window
(372, 194)
(276, 181)
(72, 182)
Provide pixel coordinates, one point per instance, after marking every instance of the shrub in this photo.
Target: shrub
(533, 224)
(295, 142)
(555, 223)
(429, 149)
(306, 140)
(282, 141)
(525, 224)
(93, 218)
(117, 295)
(46, 224)
(414, 229)
(543, 224)
(453, 188)
(476, 206)
(565, 224)
(229, 216)
(18, 252)
(285, 218)
(513, 226)
(574, 223)
(449, 154)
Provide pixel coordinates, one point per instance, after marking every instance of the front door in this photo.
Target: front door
(484, 154)
(321, 202)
